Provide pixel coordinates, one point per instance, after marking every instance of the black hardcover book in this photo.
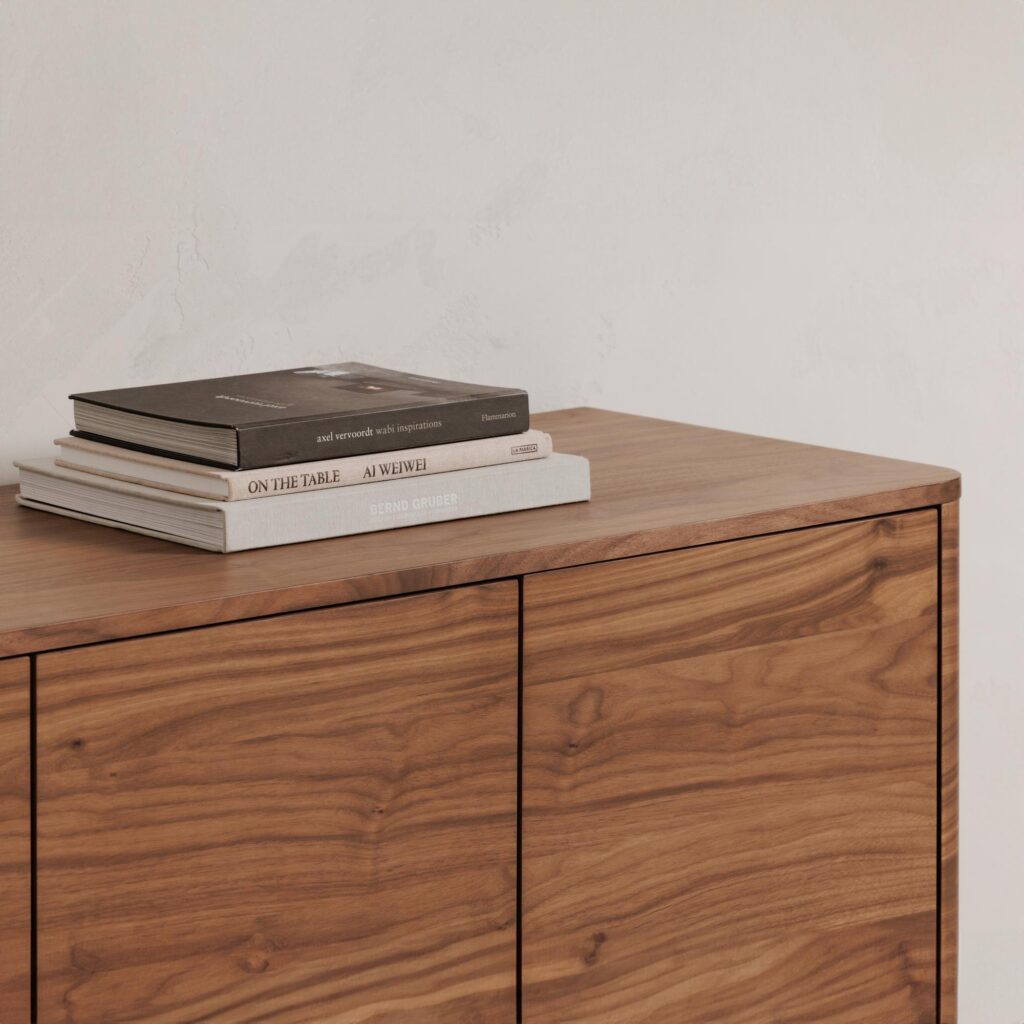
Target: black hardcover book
(301, 415)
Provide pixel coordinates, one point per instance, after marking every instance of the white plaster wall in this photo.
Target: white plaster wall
(796, 218)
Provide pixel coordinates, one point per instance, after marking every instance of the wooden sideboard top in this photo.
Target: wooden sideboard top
(657, 485)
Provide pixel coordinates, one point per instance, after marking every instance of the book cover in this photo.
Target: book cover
(185, 477)
(313, 413)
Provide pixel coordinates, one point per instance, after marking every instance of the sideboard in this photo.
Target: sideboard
(684, 754)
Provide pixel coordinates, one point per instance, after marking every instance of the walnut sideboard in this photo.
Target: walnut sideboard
(685, 754)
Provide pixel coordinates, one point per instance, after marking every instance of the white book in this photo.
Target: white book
(306, 515)
(236, 485)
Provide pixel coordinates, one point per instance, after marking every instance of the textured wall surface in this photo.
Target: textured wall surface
(794, 218)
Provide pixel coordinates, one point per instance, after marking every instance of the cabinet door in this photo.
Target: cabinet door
(15, 856)
(730, 782)
(310, 817)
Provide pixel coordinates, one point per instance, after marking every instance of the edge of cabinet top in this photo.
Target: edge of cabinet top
(657, 485)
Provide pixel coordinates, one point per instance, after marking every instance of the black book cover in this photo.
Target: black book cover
(326, 412)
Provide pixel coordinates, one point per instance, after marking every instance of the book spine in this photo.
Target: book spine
(384, 506)
(334, 437)
(397, 465)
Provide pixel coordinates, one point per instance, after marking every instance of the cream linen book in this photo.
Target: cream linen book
(305, 515)
(235, 485)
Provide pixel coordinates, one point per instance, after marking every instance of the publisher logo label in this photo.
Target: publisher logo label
(523, 449)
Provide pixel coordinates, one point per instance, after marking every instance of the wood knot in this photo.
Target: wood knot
(84, 961)
(256, 958)
(262, 943)
(254, 963)
(585, 707)
(77, 744)
(597, 940)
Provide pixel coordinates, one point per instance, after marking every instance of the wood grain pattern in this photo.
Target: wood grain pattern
(950, 517)
(15, 856)
(730, 783)
(305, 819)
(656, 486)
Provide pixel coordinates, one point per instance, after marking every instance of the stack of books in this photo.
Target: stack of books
(251, 461)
